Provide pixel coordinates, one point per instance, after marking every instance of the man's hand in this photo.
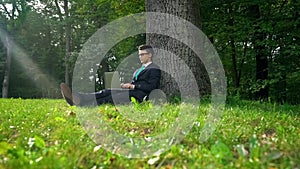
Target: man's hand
(127, 86)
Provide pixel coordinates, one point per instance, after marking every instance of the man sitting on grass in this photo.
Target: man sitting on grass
(145, 79)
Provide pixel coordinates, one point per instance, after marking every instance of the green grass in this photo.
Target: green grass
(48, 134)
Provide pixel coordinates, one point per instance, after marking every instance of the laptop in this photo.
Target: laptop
(112, 80)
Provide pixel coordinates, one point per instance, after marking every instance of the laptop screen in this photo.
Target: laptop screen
(112, 80)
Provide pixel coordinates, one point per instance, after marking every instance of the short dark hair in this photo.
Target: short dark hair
(148, 48)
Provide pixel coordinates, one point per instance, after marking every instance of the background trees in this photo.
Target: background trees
(249, 37)
(258, 42)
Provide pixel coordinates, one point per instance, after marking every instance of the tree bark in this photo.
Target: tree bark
(190, 11)
(233, 52)
(67, 26)
(68, 41)
(260, 56)
(234, 63)
(5, 85)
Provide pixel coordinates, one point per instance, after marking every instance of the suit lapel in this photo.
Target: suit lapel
(143, 71)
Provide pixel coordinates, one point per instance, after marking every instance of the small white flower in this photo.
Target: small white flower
(38, 159)
(148, 139)
(153, 160)
(31, 142)
(97, 148)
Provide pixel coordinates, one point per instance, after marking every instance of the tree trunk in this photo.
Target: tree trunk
(233, 53)
(7, 70)
(68, 41)
(5, 84)
(261, 58)
(234, 63)
(178, 53)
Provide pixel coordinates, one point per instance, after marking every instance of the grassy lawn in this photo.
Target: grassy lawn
(50, 134)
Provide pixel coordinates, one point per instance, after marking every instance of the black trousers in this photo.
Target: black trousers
(112, 96)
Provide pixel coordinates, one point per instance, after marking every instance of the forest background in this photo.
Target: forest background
(257, 41)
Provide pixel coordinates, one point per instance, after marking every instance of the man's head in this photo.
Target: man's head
(145, 53)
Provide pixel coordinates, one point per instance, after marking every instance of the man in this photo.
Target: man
(145, 79)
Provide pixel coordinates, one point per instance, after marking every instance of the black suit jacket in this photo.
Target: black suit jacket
(147, 80)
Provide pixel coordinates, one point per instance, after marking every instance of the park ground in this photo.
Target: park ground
(45, 133)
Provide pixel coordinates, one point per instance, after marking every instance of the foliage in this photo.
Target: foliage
(39, 30)
(232, 29)
(46, 134)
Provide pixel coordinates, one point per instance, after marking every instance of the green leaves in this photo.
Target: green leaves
(4, 147)
(39, 142)
(254, 148)
(221, 151)
(234, 28)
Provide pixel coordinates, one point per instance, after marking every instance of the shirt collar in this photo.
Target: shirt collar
(147, 64)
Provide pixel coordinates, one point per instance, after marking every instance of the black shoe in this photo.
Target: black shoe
(76, 98)
(66, 93)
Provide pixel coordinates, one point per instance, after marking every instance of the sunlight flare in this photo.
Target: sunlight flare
(41, 80)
